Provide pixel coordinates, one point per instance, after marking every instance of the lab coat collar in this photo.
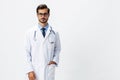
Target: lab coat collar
(48, 31)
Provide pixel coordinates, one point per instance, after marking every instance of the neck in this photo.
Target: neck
(43, 24)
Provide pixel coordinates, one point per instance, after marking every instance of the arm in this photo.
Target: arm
(57, 49)
(28, 57)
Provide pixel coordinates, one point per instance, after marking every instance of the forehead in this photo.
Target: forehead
(43, 10)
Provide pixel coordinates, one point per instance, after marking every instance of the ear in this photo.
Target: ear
(48, 14)
(36, 14)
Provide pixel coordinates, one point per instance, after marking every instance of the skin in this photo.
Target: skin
(43, 17)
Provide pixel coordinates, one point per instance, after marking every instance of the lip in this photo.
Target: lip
(43, 19)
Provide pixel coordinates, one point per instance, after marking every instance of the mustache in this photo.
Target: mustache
(42, 18)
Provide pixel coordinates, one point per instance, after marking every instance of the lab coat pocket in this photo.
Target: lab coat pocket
(51, 43)
(52, 39)
(51, 72)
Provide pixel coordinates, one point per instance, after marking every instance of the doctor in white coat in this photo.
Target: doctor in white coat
(42, 48)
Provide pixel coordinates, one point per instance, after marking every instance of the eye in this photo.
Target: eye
(43, 14)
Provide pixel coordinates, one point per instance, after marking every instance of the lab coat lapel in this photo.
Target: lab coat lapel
(40, 36)
(47, 33)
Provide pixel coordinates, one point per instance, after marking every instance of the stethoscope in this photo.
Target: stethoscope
(51, 32)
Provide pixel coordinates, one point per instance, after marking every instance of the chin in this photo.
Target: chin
(43, 21)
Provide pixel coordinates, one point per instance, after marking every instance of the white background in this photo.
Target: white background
(89, 31)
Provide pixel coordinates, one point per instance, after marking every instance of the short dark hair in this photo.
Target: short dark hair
(42, 6)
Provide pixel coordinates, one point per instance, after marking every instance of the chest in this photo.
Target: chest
(38, 40)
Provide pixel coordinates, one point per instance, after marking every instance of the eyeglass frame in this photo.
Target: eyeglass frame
(43, 14)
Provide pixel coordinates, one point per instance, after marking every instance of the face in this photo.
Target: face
(43, 15)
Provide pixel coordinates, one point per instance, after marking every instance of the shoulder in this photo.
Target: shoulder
(31, 30)
(34, 28)
(54, 29)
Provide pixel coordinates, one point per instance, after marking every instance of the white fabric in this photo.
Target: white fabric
(39, 51)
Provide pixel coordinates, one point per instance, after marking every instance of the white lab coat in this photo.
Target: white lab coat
(39, 51)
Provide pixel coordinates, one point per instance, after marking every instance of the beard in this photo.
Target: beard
(43, 20)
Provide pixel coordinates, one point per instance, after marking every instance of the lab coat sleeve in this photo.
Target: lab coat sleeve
(57, 49)
(28, 59)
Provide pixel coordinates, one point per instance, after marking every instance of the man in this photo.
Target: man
(42, 48)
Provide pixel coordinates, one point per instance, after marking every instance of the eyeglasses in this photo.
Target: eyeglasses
(43, 14)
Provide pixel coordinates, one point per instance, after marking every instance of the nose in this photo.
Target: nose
(42, 15)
